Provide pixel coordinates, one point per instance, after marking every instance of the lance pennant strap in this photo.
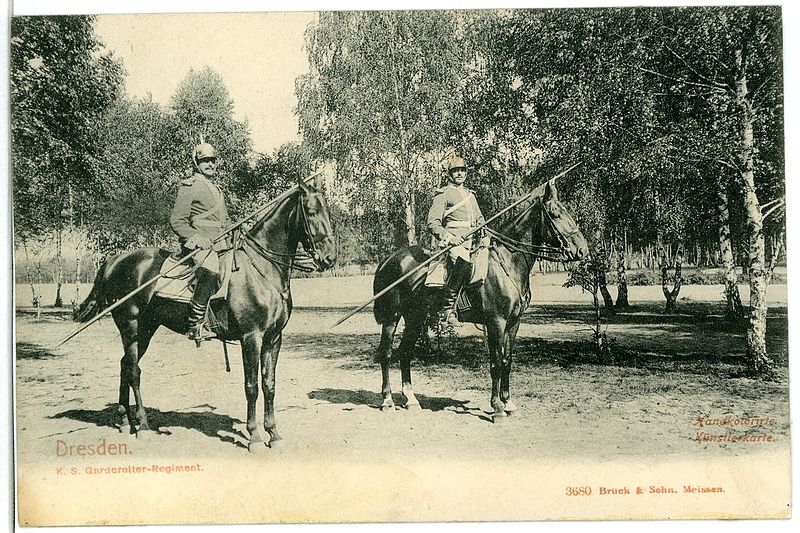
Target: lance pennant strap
(463, 201)
(214, 210)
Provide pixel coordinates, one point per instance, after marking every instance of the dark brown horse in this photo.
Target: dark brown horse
(542, 229)
(259, 301)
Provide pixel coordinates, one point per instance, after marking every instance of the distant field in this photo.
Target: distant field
(347, 291)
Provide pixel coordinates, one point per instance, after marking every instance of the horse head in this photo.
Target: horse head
(317, 236)
(559, 229)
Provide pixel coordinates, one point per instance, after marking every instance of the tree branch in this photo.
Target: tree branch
(772, 210)
(717, 88)
(696, 73)
(770, 203)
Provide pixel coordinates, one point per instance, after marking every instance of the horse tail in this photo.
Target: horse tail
(386, 308)
(95, 302)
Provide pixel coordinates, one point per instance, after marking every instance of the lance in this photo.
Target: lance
(448, 248)
(184, 259)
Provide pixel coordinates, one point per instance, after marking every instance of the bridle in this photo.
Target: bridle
(303, 262)
(539, 251)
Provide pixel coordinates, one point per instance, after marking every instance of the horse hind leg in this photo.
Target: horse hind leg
(384, 355)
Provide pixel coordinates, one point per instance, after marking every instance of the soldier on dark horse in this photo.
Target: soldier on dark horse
(198, 216)
(541, 228)
(453, 214)
(255, 305)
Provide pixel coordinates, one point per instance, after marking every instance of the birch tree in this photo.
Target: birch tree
(379, 102)
(730, 60)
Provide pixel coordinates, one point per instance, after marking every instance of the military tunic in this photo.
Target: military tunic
(200, 210)
(454, 211)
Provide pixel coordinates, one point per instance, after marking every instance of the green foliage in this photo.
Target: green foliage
(379, 102)
(266, 177)
(588, 274)
(140, 165)
(204, 111)
(60, 86)
(145, 150)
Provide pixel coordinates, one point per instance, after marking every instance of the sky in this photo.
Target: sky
(258, 55)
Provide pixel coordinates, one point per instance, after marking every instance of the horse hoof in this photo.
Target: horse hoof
(510, 407)
(387, 408)
(413, 406)
(499, 417)
(258, 448)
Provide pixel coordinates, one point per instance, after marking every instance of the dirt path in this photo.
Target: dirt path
(328, 393)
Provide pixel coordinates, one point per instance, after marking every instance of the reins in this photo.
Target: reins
(281, 258)
(537, 251)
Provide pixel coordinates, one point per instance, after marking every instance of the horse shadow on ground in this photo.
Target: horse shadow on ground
(30, 350)
(373, 400)
(206, 422)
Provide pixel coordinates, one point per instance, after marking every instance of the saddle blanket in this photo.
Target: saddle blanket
(480, 267)
(179, 283)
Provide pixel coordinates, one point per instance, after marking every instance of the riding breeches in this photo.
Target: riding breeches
(208, 259)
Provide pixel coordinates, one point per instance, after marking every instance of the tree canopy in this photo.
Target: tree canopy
(61, 84)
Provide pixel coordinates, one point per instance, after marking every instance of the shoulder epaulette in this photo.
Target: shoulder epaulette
(188, 181)
(440, 190)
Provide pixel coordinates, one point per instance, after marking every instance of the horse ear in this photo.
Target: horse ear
(550, 191)
(318, 182)
(302, 184)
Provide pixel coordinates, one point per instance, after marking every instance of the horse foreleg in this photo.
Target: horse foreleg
(251, 350)
(269, 363)
(384, 356)
(124, 407)
(406, 349)
(495, 337)
(134, 376)
(508, 345)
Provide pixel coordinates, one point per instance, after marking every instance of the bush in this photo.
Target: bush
(644, 277)
(691, 276)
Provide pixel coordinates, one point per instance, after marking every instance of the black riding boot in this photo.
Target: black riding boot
(207, 285)
(460, 273)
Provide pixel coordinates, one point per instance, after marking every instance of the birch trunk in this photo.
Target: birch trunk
(757, 358)
(671, 295)
(734, 300)
(622, 279)
(410, 212)
(59, 302)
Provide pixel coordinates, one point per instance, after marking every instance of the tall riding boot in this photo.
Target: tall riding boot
(459, 275)
(205, 288)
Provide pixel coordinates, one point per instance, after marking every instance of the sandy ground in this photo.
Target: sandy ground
(671, 371)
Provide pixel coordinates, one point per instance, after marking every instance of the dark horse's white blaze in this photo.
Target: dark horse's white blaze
(259, 301)
(542, 228)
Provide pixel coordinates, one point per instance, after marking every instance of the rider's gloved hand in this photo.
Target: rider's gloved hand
(198, 241)
(455, 240)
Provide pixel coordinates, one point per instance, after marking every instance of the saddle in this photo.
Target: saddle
(178, 284)
(437, 270)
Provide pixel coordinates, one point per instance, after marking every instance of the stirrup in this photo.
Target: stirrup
(450, 317)
(200, 333)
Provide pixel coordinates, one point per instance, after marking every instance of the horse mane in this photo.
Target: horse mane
(269, 214)
(519, 222)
